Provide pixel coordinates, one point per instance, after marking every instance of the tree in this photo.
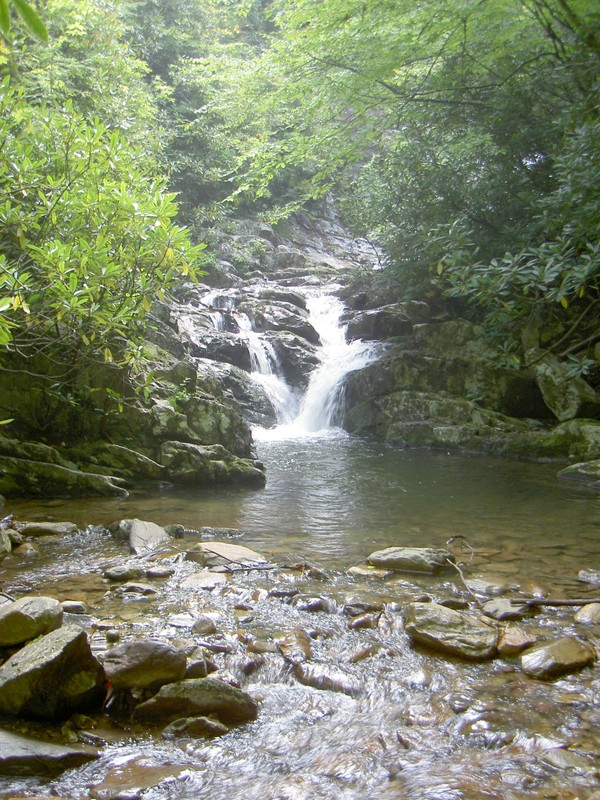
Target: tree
(27, 14)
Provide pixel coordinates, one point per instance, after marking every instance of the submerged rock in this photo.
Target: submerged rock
(322, 676)
(198, 697)
(295, 646)
(53, 677)
(559, 657)
(146, 664)
(195, 726)
(47, 528)
(412, 559)
(20, 755)
(449, 631)
(27, 618)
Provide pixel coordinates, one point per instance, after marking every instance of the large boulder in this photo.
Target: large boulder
(197, 697)
(567, 396)
(145, 664)
(22, 756)
(412, 559)
(452, 632)
(199, 464)
(27, 618)
(52, 677)
(560, 657)
(380, 323)
(142, 536)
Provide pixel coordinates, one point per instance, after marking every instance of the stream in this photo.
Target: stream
(410, 723)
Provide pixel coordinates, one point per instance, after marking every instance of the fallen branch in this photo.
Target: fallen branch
(462, 577)
(553, 603)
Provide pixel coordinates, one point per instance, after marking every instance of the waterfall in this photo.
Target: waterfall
(321, 403)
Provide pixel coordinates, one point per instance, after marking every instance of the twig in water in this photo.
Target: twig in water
(462, 577)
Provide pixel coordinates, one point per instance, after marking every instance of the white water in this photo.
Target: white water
(321, 403)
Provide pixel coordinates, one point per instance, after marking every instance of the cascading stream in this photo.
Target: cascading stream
(320, 405)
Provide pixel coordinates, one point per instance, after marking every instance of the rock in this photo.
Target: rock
(52, 677)
(22, 756)
(366, 571)
(227, 553)
(197, 553)
(565, 759)
(201, 464)
(449, 631)
(5, 544)
(591, 576)
(195, 726)
(313, 603)
(584, 472)
(484, 587)
(514, 640)
(197, 697)
(364, 621)
(204, 626)
(124, 572)
(295, 646)
(559, 657)
(380, 323)
(204, 581)
(27, 618)
(145, 664)
(143, 537)
(567, 396)
(501, 609)
(159, 572)
(412, 559)
(47, 528)
(23, 478)
(131, 780)
(74, 607)
(136, 587)
(327, 678)
(589, 614)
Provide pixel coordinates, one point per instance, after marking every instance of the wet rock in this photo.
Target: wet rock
(145, 664)
(487, 588)
(130, 781)
(449, 631)
(199, 664)
(52, 677)
(204, 626)
(325, 677)
(142, 536)
(585, 472)
(380, 323)
(5, 544)
(591, 576)
(295, 646)
(204, 581)
(136, 587)
(27, 618)
(124, 572)
(364, 621)
(206, 464)
(228, 553)
(197, 697)
(514, 640)
(197, 554)
(502, 609)
(364, 653)
(47, 528)
(313, 603)
(22, 756)
(567, 396)
(159, 572)
(25, 550)
(412, 559)
(366, 571)
(74, 607)
(589, 614)
(559, 657)
(24, 478)
(202, 727)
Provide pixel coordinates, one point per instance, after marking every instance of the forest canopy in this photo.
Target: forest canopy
(461, 136)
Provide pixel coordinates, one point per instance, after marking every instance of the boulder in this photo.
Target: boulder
(47, 528)
(146, 664)
(52, 677)
(412, 559)
(5, 544)
(27, 618)
(22, 756)
(197, 697)
(584, 472)
(449, 631)
(143, 537)
(589, 614)
(567, 396)
(380, 323)
(199, 465)
(23, 478)
(560, 657)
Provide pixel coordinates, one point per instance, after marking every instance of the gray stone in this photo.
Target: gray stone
(559, 657)
(27, 618)
(143, 537)
(5, 544)
(585, 472)
(589, 614)
(450, 631)
(591, 576)
(74, 607)
(206, 464)
(204, 581)
(144, 664)
(197, 697)
(124, 572)
(514, 640)
(195, 726)
(502, 609)
(412, 559)
(204, 626)
(567, 396)
(22, 756)
(227, 553)
(47, 528)
(52, 677)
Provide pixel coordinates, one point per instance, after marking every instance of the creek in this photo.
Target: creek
(413, 724)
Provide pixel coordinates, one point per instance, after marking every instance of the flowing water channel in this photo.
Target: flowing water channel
(408, 723)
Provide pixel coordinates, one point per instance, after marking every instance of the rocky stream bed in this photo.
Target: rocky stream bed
(141, 661)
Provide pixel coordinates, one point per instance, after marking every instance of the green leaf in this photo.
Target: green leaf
(4, 17)
(31, 19)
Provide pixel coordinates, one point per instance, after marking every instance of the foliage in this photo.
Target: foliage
(87, 240)
(27, 14)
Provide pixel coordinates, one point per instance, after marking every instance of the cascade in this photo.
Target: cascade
(320, 406)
